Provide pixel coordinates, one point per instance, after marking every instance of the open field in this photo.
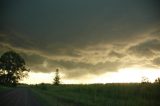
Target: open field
(99, 95)
(85, 95)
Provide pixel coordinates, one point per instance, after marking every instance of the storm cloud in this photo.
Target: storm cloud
(82, 37)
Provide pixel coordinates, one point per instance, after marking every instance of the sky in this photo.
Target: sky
(89, 41)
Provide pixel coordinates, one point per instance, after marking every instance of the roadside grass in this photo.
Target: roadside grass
(4, 88)
(99, 94)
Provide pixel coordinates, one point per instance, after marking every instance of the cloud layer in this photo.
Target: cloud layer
(82, 37)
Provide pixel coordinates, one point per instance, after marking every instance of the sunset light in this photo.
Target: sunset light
(126, 75)
(79, 52)
(129, 75)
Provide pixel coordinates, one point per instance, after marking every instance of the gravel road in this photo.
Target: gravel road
(18, 97)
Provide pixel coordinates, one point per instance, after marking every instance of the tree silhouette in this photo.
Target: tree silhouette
(157, 81)
(12, 68)
(57, 78)
(145, 80)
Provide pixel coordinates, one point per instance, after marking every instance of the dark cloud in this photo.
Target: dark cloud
(115, 54)
(146, 48)
(156, 61)
(156, 33)
(71, 68)
(32, 59)
(40, 64)
(80, 23)
(81, 37)
(16, 40)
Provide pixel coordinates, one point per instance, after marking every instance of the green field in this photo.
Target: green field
(98, 95)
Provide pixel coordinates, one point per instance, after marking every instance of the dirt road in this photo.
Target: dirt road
(18, 97)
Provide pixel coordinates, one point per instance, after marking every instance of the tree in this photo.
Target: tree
(12, 68)
(57, 78)
(145, 80)
(157, 81)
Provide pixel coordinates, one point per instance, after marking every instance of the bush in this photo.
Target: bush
(42, 86)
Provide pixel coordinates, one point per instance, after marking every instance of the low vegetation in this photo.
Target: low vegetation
(4, 88)
(99, 94)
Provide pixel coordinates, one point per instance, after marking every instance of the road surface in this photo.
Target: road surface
(18, 97)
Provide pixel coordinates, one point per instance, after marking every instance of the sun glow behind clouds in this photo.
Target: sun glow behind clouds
(126, 75)
(36, 78)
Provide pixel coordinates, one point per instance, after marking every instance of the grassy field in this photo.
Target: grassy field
(99, 95)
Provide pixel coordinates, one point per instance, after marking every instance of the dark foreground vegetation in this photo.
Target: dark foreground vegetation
(12, 68)
(4, 88)
(99, 95)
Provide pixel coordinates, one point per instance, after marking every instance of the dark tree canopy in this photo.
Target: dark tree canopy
(12, 68)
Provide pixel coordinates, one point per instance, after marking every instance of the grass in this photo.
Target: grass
(99, 95)
(4, 88)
